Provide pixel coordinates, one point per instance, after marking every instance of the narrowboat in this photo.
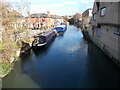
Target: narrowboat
(43, 40)
(61, 28)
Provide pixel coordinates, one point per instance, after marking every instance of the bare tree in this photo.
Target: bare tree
(11, 17)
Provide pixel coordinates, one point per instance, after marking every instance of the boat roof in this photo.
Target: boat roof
(61, 26)
(46, 34)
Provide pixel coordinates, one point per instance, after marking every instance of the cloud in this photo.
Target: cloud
(46, 6)
(87, 1)
(35, 8)
(61, 7)
(55, 5)
(15, 0)
(70, 2)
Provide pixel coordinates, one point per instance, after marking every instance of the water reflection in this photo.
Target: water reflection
(61, 34)
(101, 69)
(70, 62)
(18, 77)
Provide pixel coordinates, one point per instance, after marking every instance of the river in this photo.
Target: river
(68, 62)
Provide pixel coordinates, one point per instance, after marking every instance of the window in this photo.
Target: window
(102, 11)
(98, 31)
(94, 16)
(117, 31)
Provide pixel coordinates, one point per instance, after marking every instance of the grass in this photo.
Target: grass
(5, 68)
(2, 46)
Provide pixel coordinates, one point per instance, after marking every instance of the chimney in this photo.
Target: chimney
(48, 13)
(28, 13)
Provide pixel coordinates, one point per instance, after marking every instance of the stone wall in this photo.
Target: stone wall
(106, 40)
(111, 13)
(102, 30)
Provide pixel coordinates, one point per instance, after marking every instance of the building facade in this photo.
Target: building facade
(105, 28)
(57, 19)
(86, 17)
(39, 20)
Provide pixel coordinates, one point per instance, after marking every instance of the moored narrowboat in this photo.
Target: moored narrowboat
(61, 28)
(43, 40)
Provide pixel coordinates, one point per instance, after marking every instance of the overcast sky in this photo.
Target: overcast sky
(60, 7)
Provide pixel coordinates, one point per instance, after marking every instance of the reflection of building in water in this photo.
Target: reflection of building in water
(92, 49)
(61, 35)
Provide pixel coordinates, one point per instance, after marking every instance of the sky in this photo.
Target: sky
(60, 7)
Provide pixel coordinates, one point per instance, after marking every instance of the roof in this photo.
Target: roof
(61, 26)
(87, 10)
(39, 15)
(56, 17)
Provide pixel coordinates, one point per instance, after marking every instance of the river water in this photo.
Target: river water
(68, 62)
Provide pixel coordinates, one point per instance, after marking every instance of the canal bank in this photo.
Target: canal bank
(18, 43)
(69, 62)
(0, 83)
(11, 48)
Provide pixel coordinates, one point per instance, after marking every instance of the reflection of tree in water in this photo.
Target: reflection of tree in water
(27, 61)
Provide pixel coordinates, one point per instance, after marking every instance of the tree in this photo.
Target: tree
(10, 22)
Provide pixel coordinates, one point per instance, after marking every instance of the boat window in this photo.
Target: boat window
(42, 39)
(98, 32)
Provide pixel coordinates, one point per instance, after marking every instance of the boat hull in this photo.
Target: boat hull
(43, 40)
(61, 28)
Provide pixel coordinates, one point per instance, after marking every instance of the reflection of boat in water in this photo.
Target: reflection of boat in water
(43, 40)
(61, 34)
(37, 50)
(61, 28)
